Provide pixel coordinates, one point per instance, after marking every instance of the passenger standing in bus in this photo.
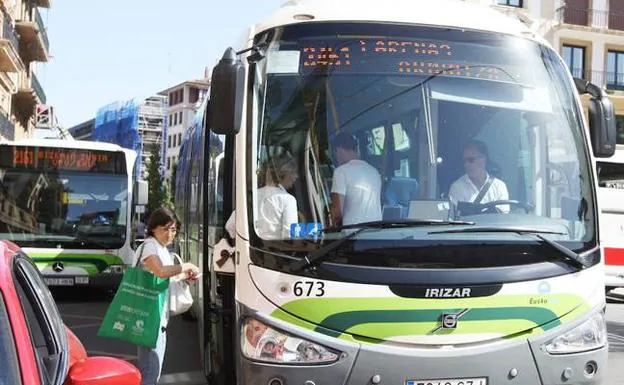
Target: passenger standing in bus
(277, 208)
(356, 186)
(154, 255)
(477, 186)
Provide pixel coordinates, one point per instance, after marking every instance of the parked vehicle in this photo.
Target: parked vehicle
(36, 348)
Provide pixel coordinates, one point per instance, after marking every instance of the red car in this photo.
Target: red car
(36, 348)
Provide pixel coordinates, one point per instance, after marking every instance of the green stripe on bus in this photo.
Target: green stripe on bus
(99, 261)
(382, 318)
(409, 320)
(88, 267)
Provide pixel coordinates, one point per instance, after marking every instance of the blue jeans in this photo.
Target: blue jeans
(150, 361)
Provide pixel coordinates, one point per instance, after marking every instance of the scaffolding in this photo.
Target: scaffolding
(136, 125)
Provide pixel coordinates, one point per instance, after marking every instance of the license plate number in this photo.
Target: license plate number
(449, 381)
(82, 280)
(59, 281)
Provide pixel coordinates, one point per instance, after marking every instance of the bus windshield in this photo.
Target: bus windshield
(63, 209)
(359, 123)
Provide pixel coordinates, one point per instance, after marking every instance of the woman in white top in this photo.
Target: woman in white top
(155, 258)
(277, 208)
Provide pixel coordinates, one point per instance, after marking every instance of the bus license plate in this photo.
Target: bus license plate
(450, 381)
(59, 281)
(82, 280)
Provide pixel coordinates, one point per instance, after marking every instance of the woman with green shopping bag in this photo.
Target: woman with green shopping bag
(155, 258)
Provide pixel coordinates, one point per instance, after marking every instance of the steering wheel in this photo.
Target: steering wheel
(491, 207)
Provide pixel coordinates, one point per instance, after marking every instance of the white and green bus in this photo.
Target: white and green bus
(69, 204)
(439, 291)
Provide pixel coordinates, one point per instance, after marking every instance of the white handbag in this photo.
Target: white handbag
(180, 298)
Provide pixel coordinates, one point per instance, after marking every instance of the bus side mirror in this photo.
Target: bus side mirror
(602, 127)
(601, 118)
(140, 192)
(226, 95)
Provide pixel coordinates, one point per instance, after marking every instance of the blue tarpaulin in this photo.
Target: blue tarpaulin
(118, 123)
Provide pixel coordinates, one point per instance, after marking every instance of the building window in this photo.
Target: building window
(168, 141)
(511, 3)
(574, 57)
(615, 70)
(175, 118)
(174, 140)
(180, 118)
(193, 95)
(180, 138)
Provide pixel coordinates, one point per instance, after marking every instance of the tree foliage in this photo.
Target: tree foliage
(158, 196)
(172, 182)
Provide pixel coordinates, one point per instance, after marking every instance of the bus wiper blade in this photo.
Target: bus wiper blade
(569, 255)
(398, 223)
(91, 242)
(320, 254)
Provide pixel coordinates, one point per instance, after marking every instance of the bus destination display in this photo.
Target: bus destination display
(398, 57)
(65, 159)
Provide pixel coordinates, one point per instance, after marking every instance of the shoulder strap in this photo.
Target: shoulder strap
(484, 190)
(140, 253)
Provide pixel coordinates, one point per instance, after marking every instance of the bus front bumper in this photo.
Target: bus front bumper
(519, 361)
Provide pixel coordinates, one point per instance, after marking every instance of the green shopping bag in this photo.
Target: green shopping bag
(135, 312)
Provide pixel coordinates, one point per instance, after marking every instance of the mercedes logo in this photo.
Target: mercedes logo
(58, 267)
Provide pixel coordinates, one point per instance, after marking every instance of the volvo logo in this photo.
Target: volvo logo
(449, 321)
(58, 267)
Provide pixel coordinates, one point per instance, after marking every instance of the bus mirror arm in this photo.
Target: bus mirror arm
(601, 119)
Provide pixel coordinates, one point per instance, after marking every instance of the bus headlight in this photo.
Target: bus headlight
(590, 335)
(263, 343)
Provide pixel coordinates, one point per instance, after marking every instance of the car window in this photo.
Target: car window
(8, 356)
(44, 321)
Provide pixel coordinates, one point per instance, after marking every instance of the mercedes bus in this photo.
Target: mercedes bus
(69, 204)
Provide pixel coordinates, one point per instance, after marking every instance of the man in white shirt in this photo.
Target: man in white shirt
(469, 187)
(356, 187)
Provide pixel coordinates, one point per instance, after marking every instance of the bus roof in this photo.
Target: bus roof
(447, 13)
(59, 143)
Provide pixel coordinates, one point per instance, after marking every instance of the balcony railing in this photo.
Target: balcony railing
(42, 28)
(608, 80)
(591, 18)
(7, 129)
(8, 32)
(36, 86)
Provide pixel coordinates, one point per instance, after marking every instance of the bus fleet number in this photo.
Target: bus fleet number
(309, 288)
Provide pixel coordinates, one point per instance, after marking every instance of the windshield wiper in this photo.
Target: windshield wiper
(322, 253)
(573, 258)
(90, 242)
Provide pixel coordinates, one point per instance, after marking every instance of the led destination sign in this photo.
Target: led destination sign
(61, 159)
(418, 57)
